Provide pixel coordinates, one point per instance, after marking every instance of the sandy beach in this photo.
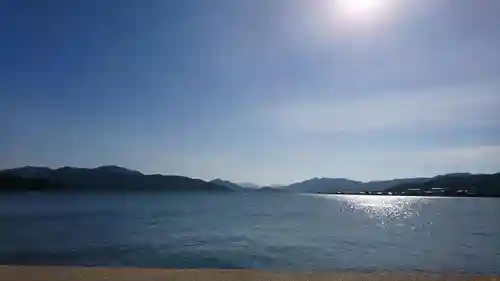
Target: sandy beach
(56, 273)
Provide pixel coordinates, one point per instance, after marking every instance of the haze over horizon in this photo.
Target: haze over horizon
(268, 92)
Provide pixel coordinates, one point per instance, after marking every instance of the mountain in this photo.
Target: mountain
(248, 185)
(324, 185)
(235, 186)
(30, 172)
(117, 170)
(453, 184)
(110, 178)
(331, 185)
(270, 189)
(383, 185)
(227, 184)
(10, 182)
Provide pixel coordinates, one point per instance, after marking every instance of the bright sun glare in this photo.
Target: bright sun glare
(361, 10)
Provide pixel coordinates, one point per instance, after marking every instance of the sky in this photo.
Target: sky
(261, 91)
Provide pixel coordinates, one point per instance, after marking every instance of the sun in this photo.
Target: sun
(349, 19)
(361, 10)
(361, 6)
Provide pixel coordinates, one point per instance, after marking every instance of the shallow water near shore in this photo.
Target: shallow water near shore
(270, 231)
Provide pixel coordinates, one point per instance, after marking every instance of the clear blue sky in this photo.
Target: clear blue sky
(264, 91)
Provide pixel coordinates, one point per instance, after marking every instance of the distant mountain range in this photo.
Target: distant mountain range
(105, 178)
(449, 184)
(119, 178)
(228, 184)
(247, 187)
(325, 185)
(454, 184)
(335, 185)
(328, 185)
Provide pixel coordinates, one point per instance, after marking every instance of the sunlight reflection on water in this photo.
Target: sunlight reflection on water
(384, 208)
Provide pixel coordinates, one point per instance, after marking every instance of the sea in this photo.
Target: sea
(254, 230)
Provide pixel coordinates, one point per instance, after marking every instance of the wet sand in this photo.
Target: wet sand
(57, 273)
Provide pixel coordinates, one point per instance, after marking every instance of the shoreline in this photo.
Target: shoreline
(59, 273)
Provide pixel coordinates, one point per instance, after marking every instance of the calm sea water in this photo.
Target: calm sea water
(254, 230)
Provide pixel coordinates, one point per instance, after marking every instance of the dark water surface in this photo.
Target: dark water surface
(253, 230)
